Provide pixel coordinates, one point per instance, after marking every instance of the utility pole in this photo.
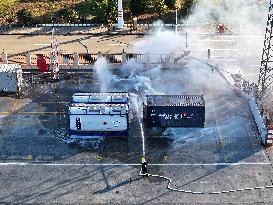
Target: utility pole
(120, 15)
(54, 56)
(176, 20)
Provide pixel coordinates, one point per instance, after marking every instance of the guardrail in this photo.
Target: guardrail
(249, 91)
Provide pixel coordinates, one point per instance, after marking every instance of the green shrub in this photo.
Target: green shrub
(24, 16)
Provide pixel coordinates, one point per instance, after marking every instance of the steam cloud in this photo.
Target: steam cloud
(239, 16)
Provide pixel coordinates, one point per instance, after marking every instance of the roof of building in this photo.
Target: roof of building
(92, 98)
(175, 100)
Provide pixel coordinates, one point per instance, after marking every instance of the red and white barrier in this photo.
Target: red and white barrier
(269, 137)
(54, 56)
(238, 83)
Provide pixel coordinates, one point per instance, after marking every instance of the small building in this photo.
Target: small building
(99, 114)
(11, 78)
(174, 111)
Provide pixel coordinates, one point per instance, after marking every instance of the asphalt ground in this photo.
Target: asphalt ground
(230, 51)
(19, 44)
(222, 163)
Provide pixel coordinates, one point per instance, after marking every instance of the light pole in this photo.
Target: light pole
(176, 19)
(120, 15)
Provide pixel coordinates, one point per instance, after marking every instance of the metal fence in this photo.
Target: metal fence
(91, 58)
(87, 58)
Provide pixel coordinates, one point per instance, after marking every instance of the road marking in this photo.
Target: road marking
(220, 49)
(42, 44)
(249, 36)
(32, 113)
(226, 49)
(39, 113)
(121, 164)
(117, 44)
(252, 74)
(226, 59)
(196, 44)
(216, 40)
(25, 123)
(54, 102)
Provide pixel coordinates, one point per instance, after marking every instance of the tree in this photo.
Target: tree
(24, 16)
(186, 6)
(170, 3)
(102, 10)
(158, 6)
(111, 10)
(73, 16)
(138, 6)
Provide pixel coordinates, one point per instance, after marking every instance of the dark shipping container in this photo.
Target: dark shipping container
(174, 111)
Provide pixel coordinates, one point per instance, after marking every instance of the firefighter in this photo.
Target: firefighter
(144, 170)
(221, 28)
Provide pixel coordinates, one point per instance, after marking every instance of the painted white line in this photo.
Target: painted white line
(226, 59)
(252, 74)
(41, 44)
(117, 44)
(197, 192)
(196, 44)
(54, 102)
(259, 187)
(121, 164)
(222, 59)
(247, 36)
(226, 49)
(216, 40)
(221, 49)
(61, 164)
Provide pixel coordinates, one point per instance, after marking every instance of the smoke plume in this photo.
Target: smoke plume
(239, 16)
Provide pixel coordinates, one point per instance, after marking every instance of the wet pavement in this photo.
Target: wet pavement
(38, 166)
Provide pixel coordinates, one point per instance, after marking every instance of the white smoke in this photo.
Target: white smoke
(240, 16)
(160, 42)
(244, 19)
(148, 79)
(104, 74)
(138, 75)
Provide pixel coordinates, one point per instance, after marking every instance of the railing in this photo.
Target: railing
(113, 58)
(87, 58)
(90, 58)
